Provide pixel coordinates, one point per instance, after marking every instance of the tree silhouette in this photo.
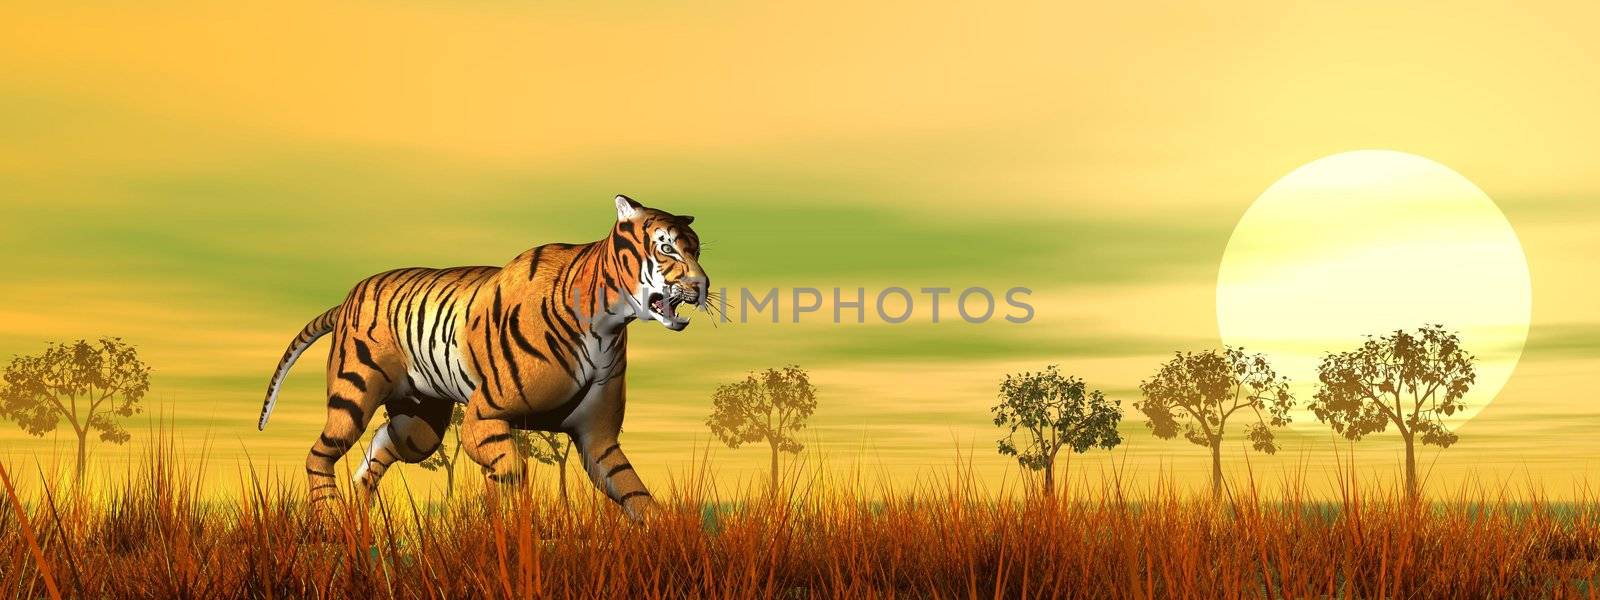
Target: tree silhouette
(1196, 393)
(89, 385)
(548, 447)
(1411, 380)
(770, 406)
(447, 460)
(1054, 412)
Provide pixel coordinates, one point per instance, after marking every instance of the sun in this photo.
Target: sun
(1368, 242)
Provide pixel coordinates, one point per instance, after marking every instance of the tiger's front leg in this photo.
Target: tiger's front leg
(603, 459)
(488, 442)
(610, 471)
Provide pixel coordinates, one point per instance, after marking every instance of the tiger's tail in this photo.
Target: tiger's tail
(317, 328)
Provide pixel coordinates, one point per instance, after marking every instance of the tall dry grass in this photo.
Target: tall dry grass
(159, 535)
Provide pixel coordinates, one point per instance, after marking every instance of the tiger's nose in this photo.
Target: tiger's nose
(696, 287)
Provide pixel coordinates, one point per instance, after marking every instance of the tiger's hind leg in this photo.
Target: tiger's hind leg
(415, 429)
(356, 386)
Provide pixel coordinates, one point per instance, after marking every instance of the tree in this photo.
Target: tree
(548, 447)
(89, 385)
(1196, 393)
(1411, 380)
(770, 407)
(1054, 412)
(447, 460)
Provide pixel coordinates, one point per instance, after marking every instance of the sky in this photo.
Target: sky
(203, 178)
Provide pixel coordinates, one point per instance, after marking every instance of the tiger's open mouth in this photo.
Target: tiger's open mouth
(665, 309)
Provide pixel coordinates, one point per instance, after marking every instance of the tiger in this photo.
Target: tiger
(540, 343)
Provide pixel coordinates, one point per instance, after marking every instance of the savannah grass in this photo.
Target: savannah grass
(160, 535)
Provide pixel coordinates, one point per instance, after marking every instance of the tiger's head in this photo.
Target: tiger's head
(668, 254)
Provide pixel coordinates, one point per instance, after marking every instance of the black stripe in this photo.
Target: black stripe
(471, 303)
(344, 356)
(496, 460)
(498, 437)
(576, 338)
(399, 305)
(550, 340)
(423, 340)
(403, 281)
(533, 264)
(494, 367)
(488, 384)
(623, 245)
(521, 340)
(373, 284)
(415, 323)
(587, 248)
(355, 380)
(357, 416)
(488, 396)
(439, 318)
(311, 471)
(618, 469)
(511, 361)
(572, 335)
(333, 443)
(314, 452)
(364, 354)
(495, 315)
(430, 371)
(625, 497)
(603, 455)
(325, 486)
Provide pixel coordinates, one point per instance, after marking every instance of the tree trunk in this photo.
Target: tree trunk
(449, 480)
(1216, 469)
(563, 480)
(1411, 468)
(1050, 475)
(774, 484)
(83, 441)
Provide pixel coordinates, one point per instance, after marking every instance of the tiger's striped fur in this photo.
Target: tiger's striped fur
(540, 343)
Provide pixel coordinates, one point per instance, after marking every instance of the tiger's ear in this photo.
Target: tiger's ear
(627, 209)
(686, 219)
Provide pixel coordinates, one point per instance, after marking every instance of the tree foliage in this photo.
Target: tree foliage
(548, 447)
(1196, 393)
(1411, 380)
(771, 406)
(1052, 411)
